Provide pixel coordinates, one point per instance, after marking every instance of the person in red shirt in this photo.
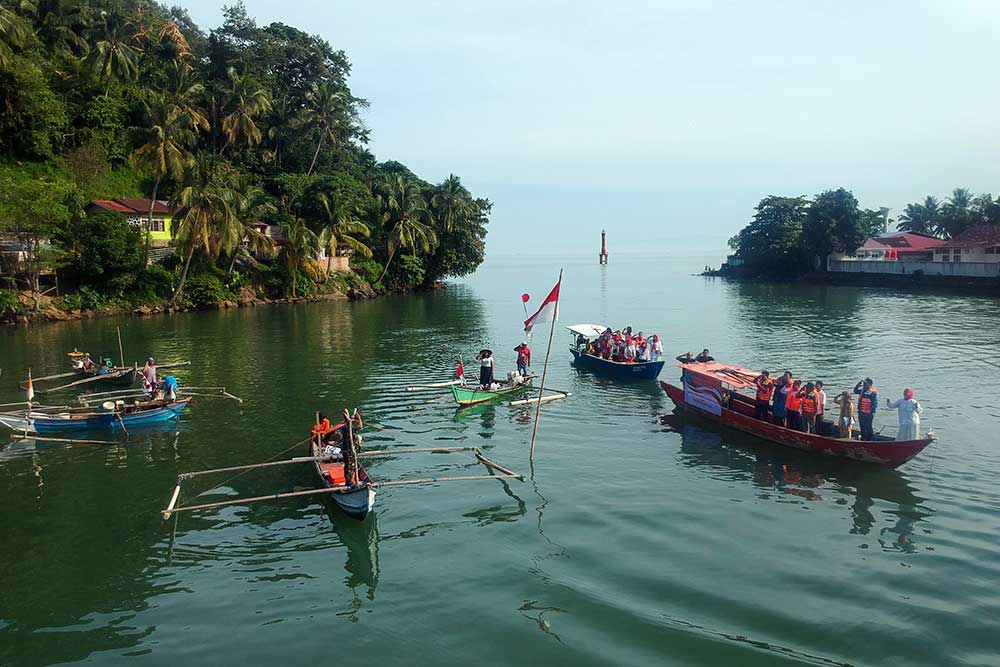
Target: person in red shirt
(523, 357)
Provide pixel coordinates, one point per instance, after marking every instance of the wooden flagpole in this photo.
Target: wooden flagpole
(545, 369)
(120, 352)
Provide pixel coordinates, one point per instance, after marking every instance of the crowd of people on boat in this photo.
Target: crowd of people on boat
(624, 347)
(801, 406)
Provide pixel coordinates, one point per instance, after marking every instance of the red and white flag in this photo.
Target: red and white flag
(31, 389)
(548, 311)
(459, 372)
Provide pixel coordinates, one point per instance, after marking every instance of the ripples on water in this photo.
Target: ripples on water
(644, 537)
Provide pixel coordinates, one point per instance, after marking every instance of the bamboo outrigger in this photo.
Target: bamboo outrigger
(342, 477)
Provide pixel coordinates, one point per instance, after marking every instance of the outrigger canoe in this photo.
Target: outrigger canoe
(638, 370)
(356, 500)
(87, 419)
(711, 390)
(465, 396)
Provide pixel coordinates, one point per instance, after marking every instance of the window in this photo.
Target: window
(156, 225)
(993, 251)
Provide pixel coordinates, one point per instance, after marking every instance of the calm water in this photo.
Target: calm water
(642, 539)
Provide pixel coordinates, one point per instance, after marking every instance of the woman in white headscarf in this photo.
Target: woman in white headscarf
(909, 415)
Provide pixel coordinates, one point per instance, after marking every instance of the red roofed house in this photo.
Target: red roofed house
(976, 244)
(904, 246)
(136, 211)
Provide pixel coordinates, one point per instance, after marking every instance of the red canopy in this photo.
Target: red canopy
(739, 378)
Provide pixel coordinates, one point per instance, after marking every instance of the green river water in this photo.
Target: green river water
(642, 538)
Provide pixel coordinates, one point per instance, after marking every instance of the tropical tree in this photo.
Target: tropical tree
(340, 227)
(113, 56)
(168, 137)
(297, 253)
(15, 34)
(250, 204)
(921, 217)
(245, 101)
(773, 239)
(282, 124)
(405, 213)
(452, 203)
(58, 25)
(204, 206)
(833, 222)
(956, 214)
(323, 107)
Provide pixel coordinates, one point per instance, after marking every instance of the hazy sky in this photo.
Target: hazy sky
(666, 122)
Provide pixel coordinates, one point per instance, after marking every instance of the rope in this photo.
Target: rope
(240, 474)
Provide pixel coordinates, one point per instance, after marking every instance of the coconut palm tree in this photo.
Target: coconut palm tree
(204, 207)
(340, 227)
(452, 203)
(404, 211)
(250, 204)
(956, 214)
(15, 34)
(245, 101)
(323, 106)
(283, 122)
(297, 253)
(58, 25)
(113, 56)
(920, 218)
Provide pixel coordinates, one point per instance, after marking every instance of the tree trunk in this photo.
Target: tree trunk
(386, 268)
(232, 262)
(329, 263)
(184, 275)
(316, 154)
(149, 220)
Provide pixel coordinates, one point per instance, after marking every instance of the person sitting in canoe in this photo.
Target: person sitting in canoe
(87, 363)
(485, 359)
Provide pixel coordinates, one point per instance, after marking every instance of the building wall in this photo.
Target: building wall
(160, 235)
(962, 268)
(979, 254)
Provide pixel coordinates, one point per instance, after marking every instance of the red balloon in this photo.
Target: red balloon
(524, 298)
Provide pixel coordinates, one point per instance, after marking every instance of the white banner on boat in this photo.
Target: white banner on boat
(703, 393)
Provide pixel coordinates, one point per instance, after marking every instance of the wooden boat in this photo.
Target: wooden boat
(355, 500)
(111, 377)
(87, 419)
(475, 395)
(711, 390)
(584, 333)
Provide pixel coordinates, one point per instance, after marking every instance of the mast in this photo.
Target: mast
(545, 369)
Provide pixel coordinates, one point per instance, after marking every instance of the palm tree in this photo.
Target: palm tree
(15, 34)
(452, 203)
(283, 117)
(323, 105)
(920, 218)
(339, 228)
(956, 213)
(57, 25)
(405, 209)
(246, 100)
(169, 136)
(113, 56)
(250, 205)
(297, 253)
(186, 94)
(204, 208)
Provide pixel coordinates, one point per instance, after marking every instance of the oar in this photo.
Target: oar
(17, 436)
(96, 378)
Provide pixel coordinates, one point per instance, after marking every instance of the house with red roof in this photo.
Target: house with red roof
(976, 244)
(136, 211)
(902, 246)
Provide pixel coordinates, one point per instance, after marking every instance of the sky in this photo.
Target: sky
(666, 122)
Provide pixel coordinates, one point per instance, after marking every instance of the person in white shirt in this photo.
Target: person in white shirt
(485, 359)
(820, 402)
(909, 415)
(656, 348)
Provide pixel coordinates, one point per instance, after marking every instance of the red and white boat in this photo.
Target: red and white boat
(711, 390)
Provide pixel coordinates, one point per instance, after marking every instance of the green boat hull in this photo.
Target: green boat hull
(474, 396)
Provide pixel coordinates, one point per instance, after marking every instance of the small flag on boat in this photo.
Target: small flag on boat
(548, 311)
(459, 372)
(31, 389)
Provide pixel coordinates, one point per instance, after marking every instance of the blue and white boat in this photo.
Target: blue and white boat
(584, 334)
(109, 417)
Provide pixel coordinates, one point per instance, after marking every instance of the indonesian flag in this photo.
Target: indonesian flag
(459, 372)
(548, 311)
(31, 389)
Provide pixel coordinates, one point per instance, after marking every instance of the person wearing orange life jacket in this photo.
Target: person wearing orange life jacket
(793, 406)
(867, 405)
(765, 388)
(810, 407)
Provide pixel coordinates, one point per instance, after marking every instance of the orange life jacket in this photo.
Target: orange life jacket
(865, 403)
(809, 403)
(321, 428)
(793, 402)
(764, 390)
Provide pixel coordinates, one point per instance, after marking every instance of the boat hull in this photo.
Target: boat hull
(41, 423)
(465, 396)
(355, 502)
(888, 453)
(643, 370)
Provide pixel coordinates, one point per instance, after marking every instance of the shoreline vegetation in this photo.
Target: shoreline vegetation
(248, 142)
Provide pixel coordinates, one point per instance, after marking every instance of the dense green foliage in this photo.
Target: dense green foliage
(116, 98)
(791, 235)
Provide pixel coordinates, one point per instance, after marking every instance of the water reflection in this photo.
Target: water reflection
(779, 472)
(361, 539)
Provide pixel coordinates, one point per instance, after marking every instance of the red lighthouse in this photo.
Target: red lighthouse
(603, 257)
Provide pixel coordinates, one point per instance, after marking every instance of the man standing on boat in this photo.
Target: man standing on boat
(523, 357)
(765, 388)
(149, 377)
(867, 405)
(485, 359)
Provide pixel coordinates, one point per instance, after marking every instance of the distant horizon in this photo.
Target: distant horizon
(666, 124)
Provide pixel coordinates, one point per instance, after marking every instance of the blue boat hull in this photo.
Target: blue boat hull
(109, 421)
(645, 370)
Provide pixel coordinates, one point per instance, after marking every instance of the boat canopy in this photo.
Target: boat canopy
(736, 377)
(588, 330)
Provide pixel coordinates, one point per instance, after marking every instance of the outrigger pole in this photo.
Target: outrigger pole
(545, 369)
